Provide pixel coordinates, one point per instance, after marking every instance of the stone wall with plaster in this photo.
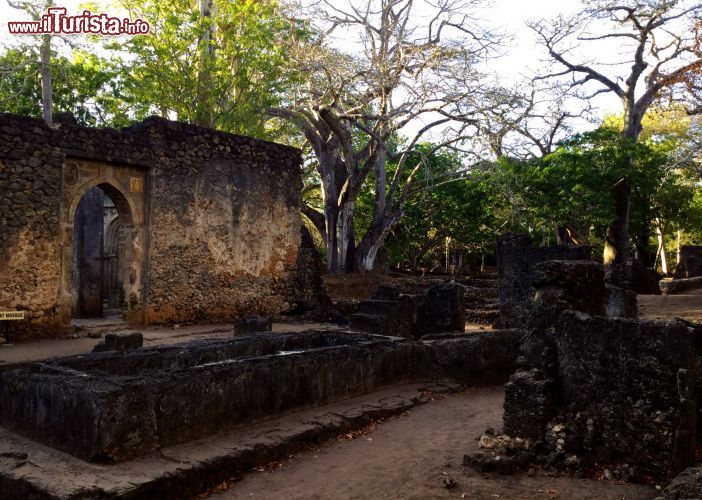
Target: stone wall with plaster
(214, 224)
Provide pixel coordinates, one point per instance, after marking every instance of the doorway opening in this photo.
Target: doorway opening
(102, 234)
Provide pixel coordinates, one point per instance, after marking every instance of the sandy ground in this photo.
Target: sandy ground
(347, 287)
(477, 328)
(686, 305)
(409, 457)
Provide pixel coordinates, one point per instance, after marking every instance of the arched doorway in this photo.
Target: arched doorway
(102, 224)
(103, 254)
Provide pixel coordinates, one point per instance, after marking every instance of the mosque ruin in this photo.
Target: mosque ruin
(164, 222)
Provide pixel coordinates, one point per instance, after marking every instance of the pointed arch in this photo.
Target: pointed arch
(126, 206)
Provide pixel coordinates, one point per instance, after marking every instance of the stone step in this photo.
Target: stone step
(472, 291)
(482, 317)
(103, 325)
(492, 306)
(380, 307)
(369, 323)
(490, 276)
(481, 301)
(98, 330)
(481, 283)
(384, 292)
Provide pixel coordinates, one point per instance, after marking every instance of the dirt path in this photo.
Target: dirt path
(408, 457)
(686, 305)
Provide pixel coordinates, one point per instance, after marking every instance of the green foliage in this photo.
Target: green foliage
(232, 82)
(84, 85)
(571, 187)
(444, 205)
(20, 91)
(690, 222)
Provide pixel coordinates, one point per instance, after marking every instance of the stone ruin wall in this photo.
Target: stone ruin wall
(30, 206)
(227, 208)
(516, 257)
(217, 230)
(594, 390)
(690, 262)
(593, 386)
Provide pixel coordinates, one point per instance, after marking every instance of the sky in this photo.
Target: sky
(508, 15)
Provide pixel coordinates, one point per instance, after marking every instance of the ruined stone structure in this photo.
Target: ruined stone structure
(595, 390)
(670, 287)
(516, 257)
(120, 342)
(308, 280)
(112, 406)
(205, 225)
(690, 265)
(422, 311)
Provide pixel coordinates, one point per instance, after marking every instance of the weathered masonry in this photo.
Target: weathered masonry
(168, 222)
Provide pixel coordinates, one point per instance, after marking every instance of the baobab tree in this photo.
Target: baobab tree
(353, 103)
(528, 120)
(694, 82)
(656, 53)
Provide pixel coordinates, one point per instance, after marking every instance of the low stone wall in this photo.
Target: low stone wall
(429, 309)
(476, 359)
(621, 303)
(621, 395)
(441, 310)
(686, 486)
(633, 385)
(670, 287)
(114, 406)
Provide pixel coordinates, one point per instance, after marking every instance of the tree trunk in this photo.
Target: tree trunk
(617, 248)
(568, 235)
(448, 259)
(561, 234)
(642, 246)
(204, 113)
(661, 246)
(331, 214)
(414, 264)
(344, 232)
(317, 220)
(365, 254)
(339, 239)
(428, 245)
(45, 75)
(372, 242)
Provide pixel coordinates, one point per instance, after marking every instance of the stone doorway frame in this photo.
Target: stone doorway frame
(125, 185)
